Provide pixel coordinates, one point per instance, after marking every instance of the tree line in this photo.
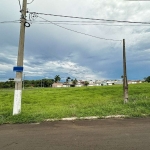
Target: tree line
(28, 83)
(147, 79)
(36, 83)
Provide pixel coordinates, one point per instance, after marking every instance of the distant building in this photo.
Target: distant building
(118, 82)
(98, 83)
(110, 82)
(57, 85)
(79, 85)
(134, 81)
(65, 84)
(91, 84)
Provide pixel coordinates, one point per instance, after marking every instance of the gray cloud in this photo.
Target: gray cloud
(50, 50)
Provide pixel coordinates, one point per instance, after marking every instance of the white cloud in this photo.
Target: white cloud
(50, 50)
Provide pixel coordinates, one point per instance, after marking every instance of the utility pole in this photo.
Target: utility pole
(125, 81)
(18, 82)
(41, 83)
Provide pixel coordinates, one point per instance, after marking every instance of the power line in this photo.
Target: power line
(84, 23)
(19, 4)
(121, 21)
(75, 23)
(31, 2)
(15, 21)
(79, 32)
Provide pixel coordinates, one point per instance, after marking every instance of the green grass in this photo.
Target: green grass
(39, 104)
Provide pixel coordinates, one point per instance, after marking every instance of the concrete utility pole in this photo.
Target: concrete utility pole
(125, 81)
(18, 82)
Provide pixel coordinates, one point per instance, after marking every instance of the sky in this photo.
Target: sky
(52, 48)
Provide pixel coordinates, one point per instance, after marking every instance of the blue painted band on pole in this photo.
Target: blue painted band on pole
(18, 69)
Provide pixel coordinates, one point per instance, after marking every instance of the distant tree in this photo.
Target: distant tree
(57, 78)
(47, 82)
(28, 83)
(75, 81)
(67, 80)
(6, 85)
(11, 79)
(12, 84)
(32, 83)
(86, 83)
(50, 82)
(147, 79)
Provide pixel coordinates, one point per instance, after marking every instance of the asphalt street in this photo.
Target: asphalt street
(101, 134)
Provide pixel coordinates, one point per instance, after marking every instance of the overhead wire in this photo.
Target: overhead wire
(75, 21)
(108, 20)
(31, 2)
(84, 23)
(78, 31)
(15, 21)
(73, 24)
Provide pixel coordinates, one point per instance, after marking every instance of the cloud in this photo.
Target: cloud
(51, 50)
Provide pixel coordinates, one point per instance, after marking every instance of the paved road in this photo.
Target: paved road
(103, 134)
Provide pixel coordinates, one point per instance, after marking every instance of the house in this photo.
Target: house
(65, 84)
(91, 84)
(98, 83)
(139, 81)
(57, 85)
(118, 82)
(78, 85)
(103, 83)
(132, 82)
(110, 82)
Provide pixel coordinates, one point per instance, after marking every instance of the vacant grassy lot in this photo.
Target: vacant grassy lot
(44, 103)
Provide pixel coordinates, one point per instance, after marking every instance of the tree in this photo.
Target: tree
(47, 82)
(57, 78)
(28, 83)
(67, 80)
(6, 84)
(75, 81)
(11, 79)
(86, 83)
(147, 79)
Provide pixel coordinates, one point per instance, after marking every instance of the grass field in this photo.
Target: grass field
(39, 104)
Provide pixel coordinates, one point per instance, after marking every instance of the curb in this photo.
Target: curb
(87, 118)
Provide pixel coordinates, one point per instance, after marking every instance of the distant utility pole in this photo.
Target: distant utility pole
(18, 82)
(125, 81)
(23, 80)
